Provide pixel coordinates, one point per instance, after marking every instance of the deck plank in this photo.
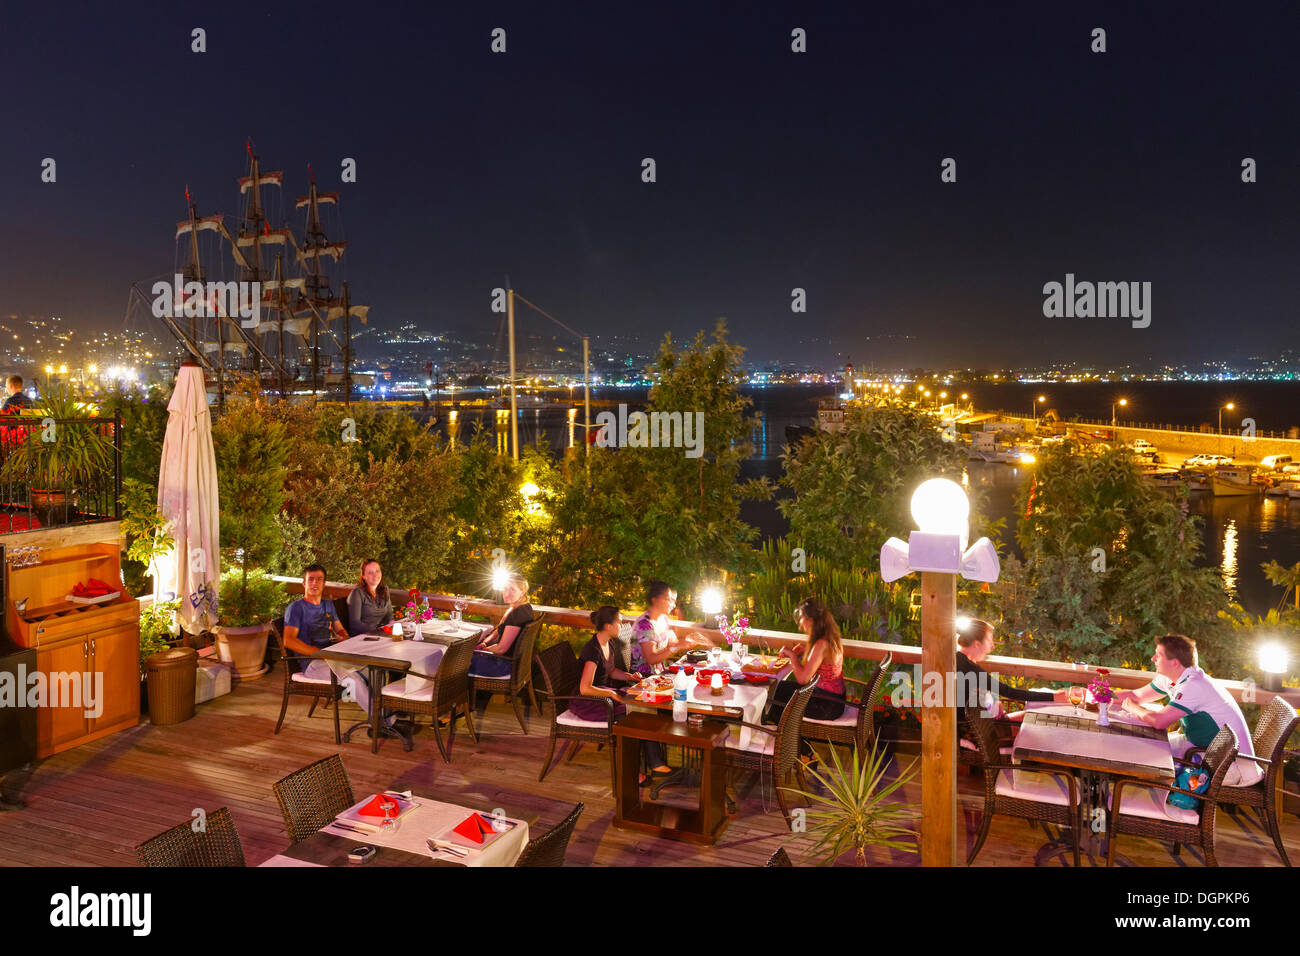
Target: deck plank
(92, 805)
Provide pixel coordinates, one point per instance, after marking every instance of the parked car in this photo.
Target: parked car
(1275, 461)
(1142, 446)
(1206, 461)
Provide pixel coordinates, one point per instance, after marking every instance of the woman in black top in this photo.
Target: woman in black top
(599, 663)
(369, 607)
(495, 652)
(974, 643)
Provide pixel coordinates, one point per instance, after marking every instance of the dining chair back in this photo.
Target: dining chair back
(549, 848)
(312, 797)
(216, 844)
(295, 685)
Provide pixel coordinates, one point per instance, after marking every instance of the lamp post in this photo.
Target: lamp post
(1034, 409)
(1273, 662)
(1121, 403)
(1230, 406)
(938, 550)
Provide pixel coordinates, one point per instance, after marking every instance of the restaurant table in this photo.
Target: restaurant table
(1052, 734)
(699, 825)
(406, 846)
(379, 652)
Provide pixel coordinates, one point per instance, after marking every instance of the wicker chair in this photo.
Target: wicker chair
(296, 684)
(216, 845)
(448, 694)
(1020, 790)
(1276, 724)
(777, 752)
(560, 676)
(521, 672)
(1145, 814)
(856, 726)
(549, 848)
(312, 797)
(779, 858)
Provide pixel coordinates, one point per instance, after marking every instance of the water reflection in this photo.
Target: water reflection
(1228, 564)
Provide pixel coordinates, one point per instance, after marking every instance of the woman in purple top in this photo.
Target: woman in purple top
(600, 667)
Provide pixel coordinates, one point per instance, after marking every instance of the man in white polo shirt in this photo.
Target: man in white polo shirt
(1198, 701)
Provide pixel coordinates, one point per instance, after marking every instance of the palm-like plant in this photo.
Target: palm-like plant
(63, 452)
(856, 812)
(1283, 577)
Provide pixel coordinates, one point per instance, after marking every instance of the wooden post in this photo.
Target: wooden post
(938, 724)
(514, 407)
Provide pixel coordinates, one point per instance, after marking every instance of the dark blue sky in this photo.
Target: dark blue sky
(775, 170)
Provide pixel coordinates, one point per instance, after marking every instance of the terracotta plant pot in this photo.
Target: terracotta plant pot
(245, 647)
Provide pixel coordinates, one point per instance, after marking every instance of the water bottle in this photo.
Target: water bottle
(681, 684)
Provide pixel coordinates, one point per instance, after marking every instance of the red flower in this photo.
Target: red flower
(413, 594)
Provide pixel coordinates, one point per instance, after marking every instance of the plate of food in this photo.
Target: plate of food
(765, 665)
(655, 684)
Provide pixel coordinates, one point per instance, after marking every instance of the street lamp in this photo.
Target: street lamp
(1230, 406)
(1034, 409)
(1121, 403)
(938, 550)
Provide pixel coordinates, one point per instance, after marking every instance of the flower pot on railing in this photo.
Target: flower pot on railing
(245, 647)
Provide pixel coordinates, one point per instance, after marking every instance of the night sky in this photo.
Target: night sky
(775, 170)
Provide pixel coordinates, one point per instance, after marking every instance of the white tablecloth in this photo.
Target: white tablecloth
(1091, 745)
(281, 860)
(749, 699)
(434, 819)
(425, 656)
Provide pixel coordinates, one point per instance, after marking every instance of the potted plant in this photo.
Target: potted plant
(58, 457)
(251, 450)
(157, 632)
(855, 812)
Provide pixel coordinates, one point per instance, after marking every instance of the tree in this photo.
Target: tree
(1286, 578)
(631, 514)
(1109, 562)
(853, 488)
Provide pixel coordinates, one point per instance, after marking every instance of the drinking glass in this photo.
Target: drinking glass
(1076, 698)
(458, 608)
(390, 823)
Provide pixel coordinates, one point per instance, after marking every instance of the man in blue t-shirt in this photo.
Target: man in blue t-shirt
(310, 623)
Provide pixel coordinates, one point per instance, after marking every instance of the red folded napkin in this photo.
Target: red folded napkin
(375, 808)
(95, 588)
(474, 828)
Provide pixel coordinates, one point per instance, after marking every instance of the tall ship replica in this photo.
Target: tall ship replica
(295, 338)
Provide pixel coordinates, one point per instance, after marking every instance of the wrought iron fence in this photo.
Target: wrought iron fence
(59, 472)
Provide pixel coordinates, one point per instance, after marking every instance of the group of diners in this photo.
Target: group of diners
(312, 623)
(1192, 697)
(619, 655)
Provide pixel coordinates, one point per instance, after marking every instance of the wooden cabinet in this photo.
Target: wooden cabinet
(87, 655)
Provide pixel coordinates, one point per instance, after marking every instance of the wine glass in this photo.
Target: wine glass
(390, 822)
(1076, 697)
(458, 607)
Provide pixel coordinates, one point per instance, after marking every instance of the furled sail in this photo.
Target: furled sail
(292, 326)
(275, 237)
(198, 225)
(331, 249)
(320, 197)
(263, 179)
(360, 311)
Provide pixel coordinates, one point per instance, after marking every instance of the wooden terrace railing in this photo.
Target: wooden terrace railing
(904, 654)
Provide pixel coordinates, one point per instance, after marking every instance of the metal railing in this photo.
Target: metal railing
(92, 497)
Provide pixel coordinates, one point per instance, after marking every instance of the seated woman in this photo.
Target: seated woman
(599, 669)
(823, 654)
(494, 656)
(974, 643)
(653, 641)
(369, 606)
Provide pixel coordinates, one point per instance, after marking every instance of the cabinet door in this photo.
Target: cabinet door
(57, 725)
(116, 654)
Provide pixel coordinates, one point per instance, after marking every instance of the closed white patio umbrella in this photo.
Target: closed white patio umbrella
(187, 497)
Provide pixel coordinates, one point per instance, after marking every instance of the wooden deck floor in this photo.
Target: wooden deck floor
(92, 805)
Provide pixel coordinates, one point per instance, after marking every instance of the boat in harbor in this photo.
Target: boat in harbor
(298, 329)
(1284, 488)
(1233, 480)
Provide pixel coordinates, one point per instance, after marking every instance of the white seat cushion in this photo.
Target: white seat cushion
(1146, 802)
(759, 743)
(1022, 785)
(398, 689)
(1243, 773)
(847, 719)
(304, 679)
(967, 745)
(569, 719)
